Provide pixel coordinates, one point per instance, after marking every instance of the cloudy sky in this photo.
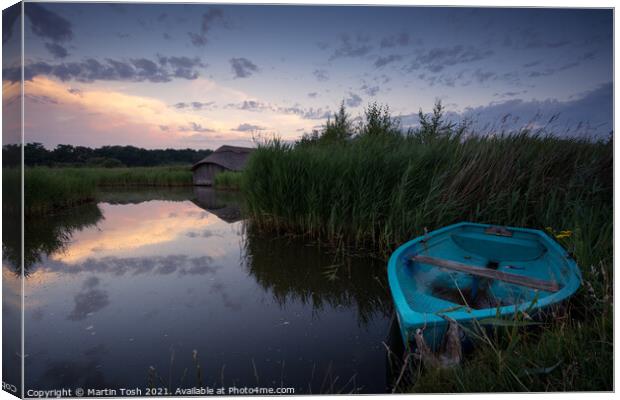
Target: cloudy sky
(199, 76)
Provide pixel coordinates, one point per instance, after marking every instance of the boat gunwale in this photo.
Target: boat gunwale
(411, 318)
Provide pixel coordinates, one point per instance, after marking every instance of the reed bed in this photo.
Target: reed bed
(381, 191)
(374, 192)
(47, 189)
(228, 180)
(129, 176)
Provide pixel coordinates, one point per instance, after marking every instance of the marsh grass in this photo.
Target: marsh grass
(377, 191)
(48, 189)
(127, 176)
(228, 180)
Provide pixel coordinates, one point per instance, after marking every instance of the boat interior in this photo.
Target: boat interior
(431, 288)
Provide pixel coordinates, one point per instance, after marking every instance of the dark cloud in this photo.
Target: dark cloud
(10, 15)
(242, 67)
(75, 91)
(589, 114)
(89, 300)
(249, 105)
(370, 90)
(197, 40)
(401, 39)
(248, 128)
(313, 95)
(197, 105)
(91, 282)
(182, 67)
(462, 78)
(438, 58)
(133, 265)
(47, 24)
(321, 75)
(383, 79)
(357, 46)
(229, 303)
(385, 60)
(137, 70)
(551, 71)
(306, 113)
(562, 67)
(509, 94)
(209, 19)
(166, 269)
(443, 79)
(531, 64)
(194, 105)
(482, 76)
(195, 127)
(353, 100)
(197, 269)
(533, 39)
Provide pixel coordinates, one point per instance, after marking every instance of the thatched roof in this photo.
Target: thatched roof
(230, 157)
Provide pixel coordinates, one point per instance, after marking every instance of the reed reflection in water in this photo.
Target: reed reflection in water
(143, 280)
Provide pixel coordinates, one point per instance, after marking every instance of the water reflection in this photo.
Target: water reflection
(226, 205)
(44, 236)
(294, 272)
(134, 286)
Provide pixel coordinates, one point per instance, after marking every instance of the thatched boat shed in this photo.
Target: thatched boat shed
(225, 158)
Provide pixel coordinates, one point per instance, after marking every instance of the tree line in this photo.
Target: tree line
(378, 121)
(35, 154)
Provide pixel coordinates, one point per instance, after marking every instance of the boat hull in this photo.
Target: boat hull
(427, 296)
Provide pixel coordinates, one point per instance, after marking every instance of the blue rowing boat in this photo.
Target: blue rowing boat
(469, 271)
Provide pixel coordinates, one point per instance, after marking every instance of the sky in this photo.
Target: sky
(203, 75)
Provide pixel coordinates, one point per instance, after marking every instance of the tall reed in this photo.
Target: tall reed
(46, 189)
(380, 191)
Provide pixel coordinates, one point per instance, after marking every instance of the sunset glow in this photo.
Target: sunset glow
(192, 75)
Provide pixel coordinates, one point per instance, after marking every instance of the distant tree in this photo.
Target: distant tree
(64, 154)
(340, 129)
(435, 124)
(378, 121)
(36, 154)
(11, 155)
(309, 138)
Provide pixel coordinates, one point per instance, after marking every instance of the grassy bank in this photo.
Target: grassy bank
(132, 176)
(228, 180)
(384, 187)
(379, 192)
(46, 189)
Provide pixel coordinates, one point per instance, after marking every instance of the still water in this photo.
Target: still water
(169, 289)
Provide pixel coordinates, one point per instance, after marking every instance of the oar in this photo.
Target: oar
(547, 286)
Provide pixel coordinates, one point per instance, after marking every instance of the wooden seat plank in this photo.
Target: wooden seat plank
(515, 279)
